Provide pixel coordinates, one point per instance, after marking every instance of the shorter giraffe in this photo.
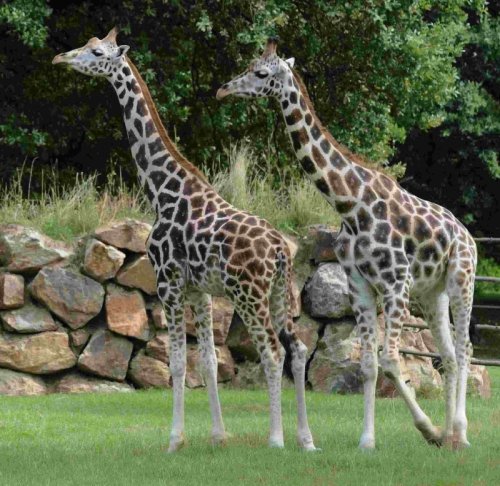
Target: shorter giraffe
(200, 245)
(392, 245)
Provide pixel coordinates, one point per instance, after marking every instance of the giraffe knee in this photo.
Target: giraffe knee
(390, 367)
(449, 364)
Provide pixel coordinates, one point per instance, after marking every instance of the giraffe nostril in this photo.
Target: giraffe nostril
(225, 86)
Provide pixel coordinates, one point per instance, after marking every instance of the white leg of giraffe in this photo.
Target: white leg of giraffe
(396, 313)
(461, 293)
(202, 308)
(258, 321)
(364, 306)
(171, 293)
(283, 323)
(436, 313)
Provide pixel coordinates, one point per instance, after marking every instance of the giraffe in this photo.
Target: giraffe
(392, 245)
(200, 245)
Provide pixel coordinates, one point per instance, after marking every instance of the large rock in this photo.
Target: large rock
(324, 243)
(101, 261)
(24, 250)
(158, 316)
(307, 331)
(296, 299)
(28, 319)
(126, 312)
(40, 354)
(194, 376)
(158, 347)
(106, 355)
(222, 315)
(479, 381)
(138, 274)
(147, 372)
(127, 235)
(225, 364)
(249, 375)
(75, 382)
(222, 312)
(79, 339)
(11, 291)
(71, 296)
(335, 366)
(326, 294)
(239, 341)
(16, 383)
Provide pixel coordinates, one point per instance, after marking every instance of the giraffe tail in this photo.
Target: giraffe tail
(284, 319)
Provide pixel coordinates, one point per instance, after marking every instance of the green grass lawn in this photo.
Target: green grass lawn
(121, 439)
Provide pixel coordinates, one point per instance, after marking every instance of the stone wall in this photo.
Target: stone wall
(86, 318)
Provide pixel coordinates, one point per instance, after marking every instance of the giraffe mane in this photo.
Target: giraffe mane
(358, 159)
(172, 148)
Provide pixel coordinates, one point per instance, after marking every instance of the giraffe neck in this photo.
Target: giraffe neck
(157, 159)
(339, 178)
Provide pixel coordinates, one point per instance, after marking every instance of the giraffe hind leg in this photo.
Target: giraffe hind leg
(436, 313)
(460, 288)
(396, 310)
(257, 318)
(297, 350)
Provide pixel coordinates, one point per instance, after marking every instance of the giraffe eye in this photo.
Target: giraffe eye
(261, 74)
(97, 52)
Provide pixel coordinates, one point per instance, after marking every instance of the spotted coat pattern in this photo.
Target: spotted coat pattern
(393, 246)
(200, 245)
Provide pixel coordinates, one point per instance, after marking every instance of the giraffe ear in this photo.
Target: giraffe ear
(291, 62)
(122, 50)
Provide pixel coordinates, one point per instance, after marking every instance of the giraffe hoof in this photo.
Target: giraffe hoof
(309, 447)
(219, 440)
(454, 443)
(176, 443)
(276, 444)
(432, 434)
(367, 443)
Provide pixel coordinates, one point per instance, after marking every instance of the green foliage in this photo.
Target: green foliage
(487, 267)
(27, 18)
(26, 139)
(376, 71)
(66, 213)
(77, 207)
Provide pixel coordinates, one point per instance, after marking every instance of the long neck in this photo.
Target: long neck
(158, 160)
(339, 178)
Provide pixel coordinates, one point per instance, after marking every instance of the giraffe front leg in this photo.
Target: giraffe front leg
(364, 306)
(172, 296)
(202, 307)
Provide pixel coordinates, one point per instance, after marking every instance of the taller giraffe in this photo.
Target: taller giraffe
(201, 245)
(392, 245)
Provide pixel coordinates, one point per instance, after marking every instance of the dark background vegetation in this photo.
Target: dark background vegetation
(409, 84)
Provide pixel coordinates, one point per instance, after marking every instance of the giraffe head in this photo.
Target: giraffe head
(98, 57)
(265, 77)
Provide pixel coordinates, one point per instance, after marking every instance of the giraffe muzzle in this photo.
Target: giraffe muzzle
(65, 57)
(222, 93)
